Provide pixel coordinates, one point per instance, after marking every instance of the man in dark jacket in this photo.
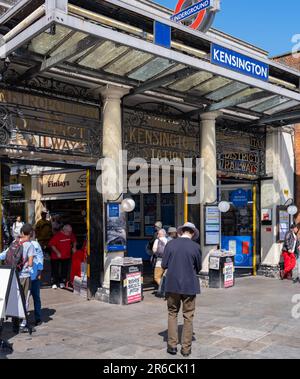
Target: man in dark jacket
(183, 260)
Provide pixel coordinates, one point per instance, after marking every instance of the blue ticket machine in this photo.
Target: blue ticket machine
(243, 248)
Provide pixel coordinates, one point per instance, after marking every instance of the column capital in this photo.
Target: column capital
(110, 92)
(210, 116)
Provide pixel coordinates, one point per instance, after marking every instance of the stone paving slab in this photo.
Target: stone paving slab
(251, 321)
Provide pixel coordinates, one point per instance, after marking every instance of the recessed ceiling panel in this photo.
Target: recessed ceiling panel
(212, 85)
(191, 81)
(103, 55)
(128, 62)
(227, 91)
(45, 42)
(151, 69)
(268, 104)
(69, 43)
(283, 107)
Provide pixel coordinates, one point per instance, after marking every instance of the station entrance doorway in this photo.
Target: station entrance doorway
(68, 194)
(240, 233)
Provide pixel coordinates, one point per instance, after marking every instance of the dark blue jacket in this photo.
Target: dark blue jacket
(183, 260)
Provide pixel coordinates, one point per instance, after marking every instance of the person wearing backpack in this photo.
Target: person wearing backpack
(158, 252)
(20, 256)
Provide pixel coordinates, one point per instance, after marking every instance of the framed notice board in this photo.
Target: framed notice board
(212, 225)
(283, 223)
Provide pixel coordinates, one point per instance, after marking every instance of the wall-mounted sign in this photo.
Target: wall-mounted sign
(197, 14)
(64, 182)
(116, 228)
(245, 159)
(212, 226)
(266, 216)
(43, 124)
(239, 198)
(238, 62)
(283, 223)
(148, 135)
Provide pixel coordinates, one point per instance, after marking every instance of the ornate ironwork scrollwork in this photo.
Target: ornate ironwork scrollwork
(4, 125)
(95, 142)
(63, 88)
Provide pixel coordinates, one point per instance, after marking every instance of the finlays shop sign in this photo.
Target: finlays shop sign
(65, 182)
(243, 64)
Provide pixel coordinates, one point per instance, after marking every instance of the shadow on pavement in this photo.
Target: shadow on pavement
(180, 329)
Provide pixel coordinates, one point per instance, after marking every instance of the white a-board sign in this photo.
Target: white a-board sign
(12, 300)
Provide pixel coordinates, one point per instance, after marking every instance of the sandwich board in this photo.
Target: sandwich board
(12, 300)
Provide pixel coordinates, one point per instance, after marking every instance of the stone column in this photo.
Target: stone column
(209, 154)
(112, 147)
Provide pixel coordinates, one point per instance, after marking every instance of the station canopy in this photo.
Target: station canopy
(91, 44)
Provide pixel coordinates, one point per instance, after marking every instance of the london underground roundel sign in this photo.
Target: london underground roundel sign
(196, 14)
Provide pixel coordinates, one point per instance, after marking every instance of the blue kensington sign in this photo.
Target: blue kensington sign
(192, 10)
(239, 62)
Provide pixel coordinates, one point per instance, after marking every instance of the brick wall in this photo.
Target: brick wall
(289, 60)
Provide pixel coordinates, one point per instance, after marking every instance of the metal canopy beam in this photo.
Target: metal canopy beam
(4, 4)
(13, 11)
(127, 40)
(238, 101)
(55, 60)
(69, 53)
(153, 84)
(292, 117)
(27, 35)
(228, 103)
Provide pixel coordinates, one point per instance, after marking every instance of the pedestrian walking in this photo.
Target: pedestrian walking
(20, 256)
(157, 227)
(63, 244)
(158, 252)
(16, 228)
(43, 231)
(183, 260)
(36, 272)
(172, 234)
(288, 252)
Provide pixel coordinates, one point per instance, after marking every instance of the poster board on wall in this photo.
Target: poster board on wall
(283, 223)
(116, 233)
(212, 225)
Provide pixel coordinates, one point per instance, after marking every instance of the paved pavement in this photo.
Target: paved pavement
(252, 320)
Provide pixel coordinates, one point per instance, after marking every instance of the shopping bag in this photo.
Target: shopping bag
(161, 292)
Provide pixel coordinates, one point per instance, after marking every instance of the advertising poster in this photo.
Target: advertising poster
(116, 239)
(228, 275)
(134, 287)
(284, 224)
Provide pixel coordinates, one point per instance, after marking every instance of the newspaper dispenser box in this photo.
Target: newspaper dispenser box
(221, 269)
(126, 281)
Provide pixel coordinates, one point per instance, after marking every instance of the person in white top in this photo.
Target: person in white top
(16, 228)
(158, 251)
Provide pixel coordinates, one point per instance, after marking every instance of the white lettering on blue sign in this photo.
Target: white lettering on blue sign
(239, 62)
(192, 10)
